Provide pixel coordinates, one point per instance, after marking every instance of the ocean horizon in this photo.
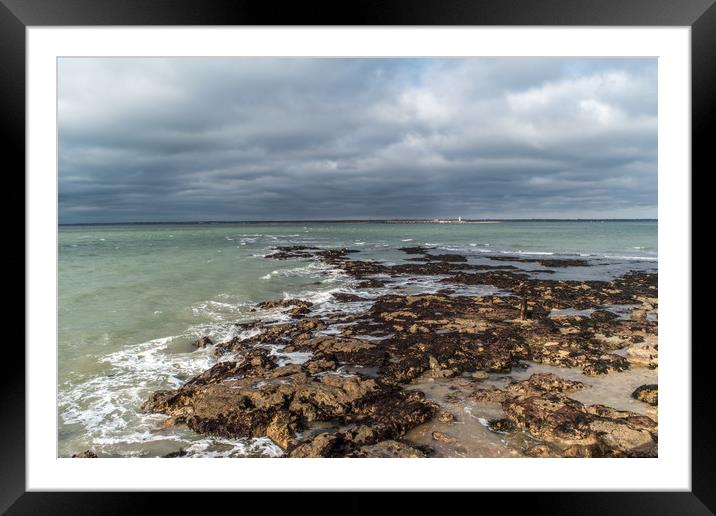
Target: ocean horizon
(340, 221)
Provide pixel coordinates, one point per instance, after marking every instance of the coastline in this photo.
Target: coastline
(386, 375)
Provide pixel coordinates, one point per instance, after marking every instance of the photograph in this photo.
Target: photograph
(357, 257)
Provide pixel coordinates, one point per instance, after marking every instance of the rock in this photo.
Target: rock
(480, 375)
(343, 350)
(87, 454)
(295, 307)
(445, 257)
(638, 314)
(277, 402)
(603, 316)
(388, 449)
(503, 425)
(606, 364)
(623, 439)
(245, 407)
(292, 251)
(392, 413)
(279, 429)
(342, 297)
(203, 342)
(322, 445)
(545, 262)
(540, 451)
(418, 329)
(371, 283)
(637, 420)
(540, 383)
(173, 455)
(298, 311)
(414, 250)
(446, 417)
(318, 365)
(489, 395)
(281, 333)
(167, 423)
(442, 437)
(565, 422)
(329, 344)
(568, 349)
(644, 354)
(647, 393)
(443, 373)
(580, 451)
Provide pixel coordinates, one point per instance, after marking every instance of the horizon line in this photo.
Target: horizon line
(387, 220)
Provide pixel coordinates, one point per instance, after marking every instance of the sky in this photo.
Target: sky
(209, 139)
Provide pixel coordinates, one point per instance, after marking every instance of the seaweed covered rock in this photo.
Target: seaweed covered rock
(540, 407)
(647, 393)
(566, 422)
(295, 307)
(538, 384)
(203, 342)
(388, 449)
(502, 425)
(277, 402)
(87, 454)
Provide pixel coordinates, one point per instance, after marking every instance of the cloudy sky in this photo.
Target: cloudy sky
(277, 139)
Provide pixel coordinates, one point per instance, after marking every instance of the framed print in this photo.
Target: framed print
(400, 249)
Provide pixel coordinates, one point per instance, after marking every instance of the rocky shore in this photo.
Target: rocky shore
(349, 382)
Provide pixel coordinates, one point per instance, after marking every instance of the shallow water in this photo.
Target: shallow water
(470, 432)
(132, 299)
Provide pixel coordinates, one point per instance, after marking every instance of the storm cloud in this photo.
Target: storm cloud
(192, 139)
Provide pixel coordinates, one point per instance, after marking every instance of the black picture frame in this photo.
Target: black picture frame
(700, 15)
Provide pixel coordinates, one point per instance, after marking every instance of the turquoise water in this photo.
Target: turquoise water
(133, 298)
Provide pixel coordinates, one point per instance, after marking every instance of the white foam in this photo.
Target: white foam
(219, 311)
(207, 448)
(636, 258)
(106, 406)
(284, 358)
(313, 269)
(341, 371)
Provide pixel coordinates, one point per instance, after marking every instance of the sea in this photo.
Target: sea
(133, 298)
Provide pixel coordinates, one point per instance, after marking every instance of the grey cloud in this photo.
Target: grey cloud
(251, 138)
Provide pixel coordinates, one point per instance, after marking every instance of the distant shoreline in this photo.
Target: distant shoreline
(443, 221)
(345, 221)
